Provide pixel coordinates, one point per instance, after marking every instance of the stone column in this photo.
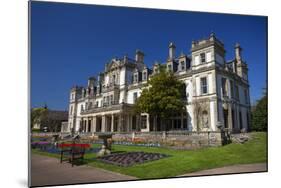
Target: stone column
(86, 126)
(214, 128)
(94, 124)
(238, 117)
(234, 117)
(112, 123)
(147, 123)
(103, 123)
(82, 125)
(230, 116)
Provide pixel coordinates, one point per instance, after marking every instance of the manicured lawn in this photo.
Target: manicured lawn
(181, 162)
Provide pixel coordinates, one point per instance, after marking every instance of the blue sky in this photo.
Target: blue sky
(71, 42)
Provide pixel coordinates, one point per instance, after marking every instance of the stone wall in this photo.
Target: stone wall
(177, 140)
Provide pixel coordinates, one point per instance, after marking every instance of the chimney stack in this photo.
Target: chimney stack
(139, 56)
(172, 49)
(91, 81)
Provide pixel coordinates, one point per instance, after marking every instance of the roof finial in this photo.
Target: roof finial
(237, 45)
(172, 45)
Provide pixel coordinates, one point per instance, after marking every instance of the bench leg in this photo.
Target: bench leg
(72, 161)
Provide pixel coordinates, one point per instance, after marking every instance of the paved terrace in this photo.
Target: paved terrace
(49, 171)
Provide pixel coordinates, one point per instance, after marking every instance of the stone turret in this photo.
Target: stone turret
(75, 93)
(208, 50)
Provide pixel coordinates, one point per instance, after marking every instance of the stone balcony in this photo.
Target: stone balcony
(107, 107)
(109, 88)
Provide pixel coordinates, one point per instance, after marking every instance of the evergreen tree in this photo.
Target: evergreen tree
(163, 96)
(260, 115)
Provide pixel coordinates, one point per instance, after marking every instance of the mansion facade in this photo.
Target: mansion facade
(217, 93)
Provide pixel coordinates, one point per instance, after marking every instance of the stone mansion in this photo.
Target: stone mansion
(217, 93)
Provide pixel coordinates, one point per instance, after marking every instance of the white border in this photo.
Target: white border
(14, 71)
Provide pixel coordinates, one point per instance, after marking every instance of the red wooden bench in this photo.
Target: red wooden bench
(72, 152)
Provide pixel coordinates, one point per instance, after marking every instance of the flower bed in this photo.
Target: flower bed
(131, 158)
(56, 148)
(137, 144)
(42, 145)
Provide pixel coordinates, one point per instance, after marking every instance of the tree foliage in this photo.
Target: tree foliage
(37, 115)
(259, 115)
(163, 96)
(46, 118)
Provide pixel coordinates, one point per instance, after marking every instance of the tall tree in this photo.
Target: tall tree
(37, 115)
(163, 96)
(260, 115)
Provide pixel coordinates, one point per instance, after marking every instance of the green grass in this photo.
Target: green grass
(183, 161)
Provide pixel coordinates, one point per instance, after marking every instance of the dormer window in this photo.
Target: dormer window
(135, 78)
(182, 64)
(144, 76)
(203, 57)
